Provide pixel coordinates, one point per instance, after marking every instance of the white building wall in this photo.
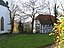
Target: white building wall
(5, 14)
(42, 28)
(37, 25)
(46, 28)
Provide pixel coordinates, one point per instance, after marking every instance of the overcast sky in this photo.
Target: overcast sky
(51, 1)
(58, 2)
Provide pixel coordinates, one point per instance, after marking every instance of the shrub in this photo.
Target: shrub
(59, 32)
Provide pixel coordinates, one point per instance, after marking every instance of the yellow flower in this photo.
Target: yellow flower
(62, 28)
(57, 37)
(51, 34)
(55, 24)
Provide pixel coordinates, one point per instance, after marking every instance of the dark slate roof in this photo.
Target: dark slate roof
(45, 19)
(3, 3)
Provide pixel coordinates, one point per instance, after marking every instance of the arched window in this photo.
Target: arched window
(2, 23)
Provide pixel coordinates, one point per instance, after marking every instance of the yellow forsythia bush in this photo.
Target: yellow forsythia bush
(59, 32)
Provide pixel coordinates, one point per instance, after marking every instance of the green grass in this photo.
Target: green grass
(25, 40)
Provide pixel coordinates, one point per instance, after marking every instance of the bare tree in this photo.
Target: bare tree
(55, 7)
(14, 9)
(31, 8)
(62, 9)
(58, 5)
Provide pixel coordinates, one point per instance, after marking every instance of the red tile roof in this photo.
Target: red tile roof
(45, 19)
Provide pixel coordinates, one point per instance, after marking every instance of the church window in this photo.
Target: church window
(2, 23)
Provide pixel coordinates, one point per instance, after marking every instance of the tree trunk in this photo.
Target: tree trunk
(55, 18)
(22, 27)
(12, 24)
(32, 24)
(55, 12)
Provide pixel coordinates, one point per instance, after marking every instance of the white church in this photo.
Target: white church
(4, 17)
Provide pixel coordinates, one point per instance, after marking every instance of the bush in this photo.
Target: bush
(59, 32)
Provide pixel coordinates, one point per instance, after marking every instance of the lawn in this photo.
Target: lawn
(25, 40)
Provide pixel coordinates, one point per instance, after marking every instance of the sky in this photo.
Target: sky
(51, 3)
(58, 2)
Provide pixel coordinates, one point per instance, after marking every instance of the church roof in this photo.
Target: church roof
(3, 3)
(45, 19)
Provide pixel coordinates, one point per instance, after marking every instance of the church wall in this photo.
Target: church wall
(5, 14)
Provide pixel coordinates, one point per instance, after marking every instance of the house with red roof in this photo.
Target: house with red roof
(44, 23)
